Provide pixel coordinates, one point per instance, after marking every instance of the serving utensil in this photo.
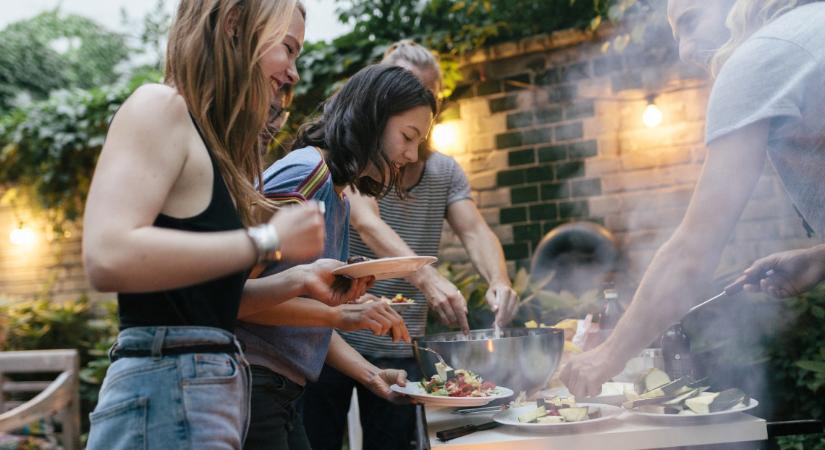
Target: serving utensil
(733, 288)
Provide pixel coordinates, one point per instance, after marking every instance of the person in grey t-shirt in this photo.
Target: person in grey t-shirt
(767, 103)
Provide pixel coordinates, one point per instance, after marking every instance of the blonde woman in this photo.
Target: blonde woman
(767, 103)
(171, 226)
(390, 226)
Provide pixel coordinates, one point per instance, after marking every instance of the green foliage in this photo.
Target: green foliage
(53, 51)
(50, 148)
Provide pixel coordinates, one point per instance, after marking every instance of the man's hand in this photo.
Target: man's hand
(787, 274)
(375, 316)
(319, 283)
(443, 297)
(379, 384)
(503, 301)
(585, 373)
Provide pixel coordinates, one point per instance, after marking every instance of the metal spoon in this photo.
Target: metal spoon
(440, 359)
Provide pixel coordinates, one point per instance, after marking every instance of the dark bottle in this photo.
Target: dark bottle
(676, 353)
(612, 311)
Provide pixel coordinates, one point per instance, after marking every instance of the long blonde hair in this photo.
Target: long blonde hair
(744, 19)
(212, 59)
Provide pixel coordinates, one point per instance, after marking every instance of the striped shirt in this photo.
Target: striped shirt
(419, 221)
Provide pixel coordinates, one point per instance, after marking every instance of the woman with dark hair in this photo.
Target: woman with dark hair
(364, 136)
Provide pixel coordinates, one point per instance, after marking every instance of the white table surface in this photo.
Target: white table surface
(627, 432)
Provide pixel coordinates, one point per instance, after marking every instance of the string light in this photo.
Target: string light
(22, 236)
(652, 116)
(445, 137)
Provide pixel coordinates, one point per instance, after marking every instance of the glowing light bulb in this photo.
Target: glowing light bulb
(652, 117)
(445, 137)
(22, 236)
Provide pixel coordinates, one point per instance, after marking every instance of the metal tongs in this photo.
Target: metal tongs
(733, 288)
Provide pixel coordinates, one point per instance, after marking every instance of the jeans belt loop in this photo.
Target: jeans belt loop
(157, 342)
(112, 352)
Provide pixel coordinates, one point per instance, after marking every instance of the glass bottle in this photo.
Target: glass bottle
(676, 353)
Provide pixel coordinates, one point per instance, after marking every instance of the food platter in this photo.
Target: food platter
(415, 391)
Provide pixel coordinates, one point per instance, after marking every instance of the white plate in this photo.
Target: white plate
(510, 417)
(414, 390)
(676, 418)
(385, 268)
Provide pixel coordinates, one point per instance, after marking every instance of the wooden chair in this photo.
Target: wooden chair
(59, 397)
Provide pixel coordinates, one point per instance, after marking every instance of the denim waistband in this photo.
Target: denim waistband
(155, 340)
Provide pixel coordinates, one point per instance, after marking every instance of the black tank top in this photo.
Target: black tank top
(212, 303)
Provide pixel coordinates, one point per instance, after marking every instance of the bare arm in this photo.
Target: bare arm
(684, 265)
(442, 296)
(144, 155)
(348, 361)
(487, 256)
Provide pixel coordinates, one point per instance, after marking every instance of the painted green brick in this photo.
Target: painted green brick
(548, 226)
(606, 64)
(519, 250)
(539, 174)
(580, 110)
(549, 76)
(555, 191)
(575, 72)
(488, 87)
(586, 188)
(503, 104)
(512, 215)
(537, 136)
(524, 194)
(519, 120)
(530, 232)
(565, 170)
(521, 157)
(571, 210)
(585, 149)
(569, 131)
(546, 211)
(507, 140)
(552, 153)
(562, 93)
(510, 177)
(552, 114)
(516, 82)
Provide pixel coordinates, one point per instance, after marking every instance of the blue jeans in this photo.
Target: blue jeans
(173, 401)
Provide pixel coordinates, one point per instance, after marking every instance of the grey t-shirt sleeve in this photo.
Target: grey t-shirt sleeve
(765, 78)
(459, 186)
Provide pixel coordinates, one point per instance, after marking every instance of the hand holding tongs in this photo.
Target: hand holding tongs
(733, 288)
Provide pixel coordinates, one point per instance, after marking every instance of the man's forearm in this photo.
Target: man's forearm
(672, 284)
(486, 254)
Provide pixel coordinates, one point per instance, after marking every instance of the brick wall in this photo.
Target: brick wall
(551, 132)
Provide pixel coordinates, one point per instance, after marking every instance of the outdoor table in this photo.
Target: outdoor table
(626, 432)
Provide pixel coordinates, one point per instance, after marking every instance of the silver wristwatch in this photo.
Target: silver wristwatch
(266, 241)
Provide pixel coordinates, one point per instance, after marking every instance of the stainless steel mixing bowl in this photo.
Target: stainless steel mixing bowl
(522, 359)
